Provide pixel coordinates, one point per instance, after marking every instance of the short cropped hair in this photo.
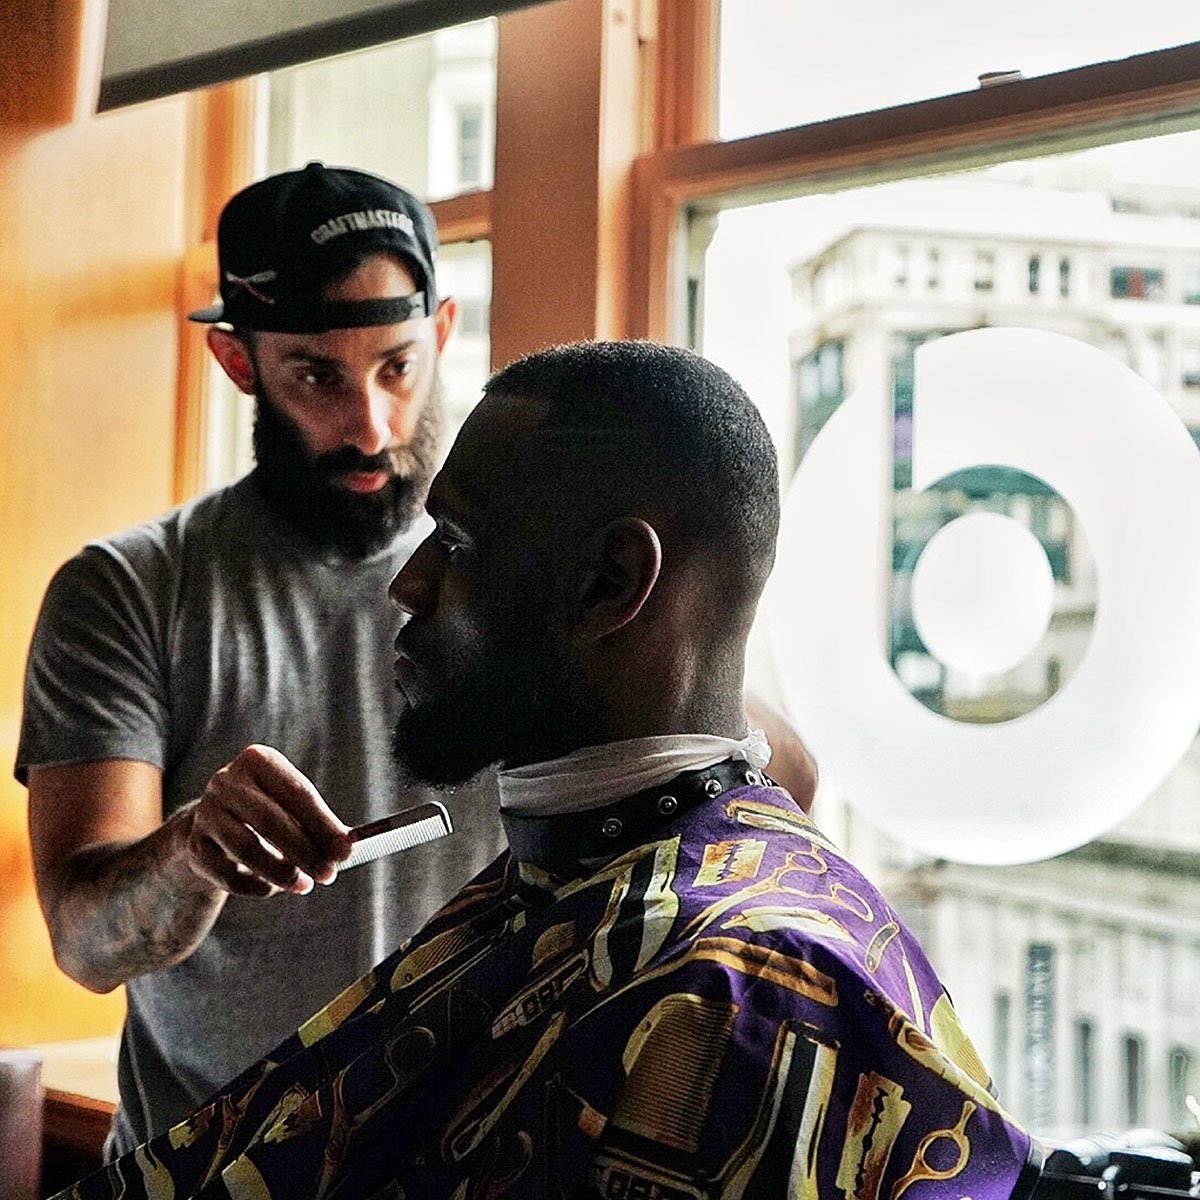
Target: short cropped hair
(706, 452)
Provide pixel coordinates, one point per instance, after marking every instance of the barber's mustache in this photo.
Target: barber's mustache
(347, 459)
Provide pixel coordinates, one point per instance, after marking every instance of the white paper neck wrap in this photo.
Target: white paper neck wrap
(598, 775)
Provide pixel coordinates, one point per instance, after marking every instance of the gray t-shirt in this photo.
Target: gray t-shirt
(178, 643)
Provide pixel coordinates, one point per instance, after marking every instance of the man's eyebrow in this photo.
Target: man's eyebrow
(325, 360)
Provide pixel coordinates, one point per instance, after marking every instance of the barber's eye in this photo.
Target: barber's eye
(316, 377)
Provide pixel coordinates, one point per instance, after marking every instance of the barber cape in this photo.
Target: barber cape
(686, 994)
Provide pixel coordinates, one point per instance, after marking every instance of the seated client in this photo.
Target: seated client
(670, 984)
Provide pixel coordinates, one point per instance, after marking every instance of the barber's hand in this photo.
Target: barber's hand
(260, 797)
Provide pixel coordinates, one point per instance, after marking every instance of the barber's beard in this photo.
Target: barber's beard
(302, 487)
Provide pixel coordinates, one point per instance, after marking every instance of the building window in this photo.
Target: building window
(1085, 1072)
(1136, 283)
(1191, 285)
(1181, 1087)
(1035, 274)
(985, 270)
(469, 120)
(1064, 277)
(820, 388)
(1189, 364)
(1133, 1061)
(1002, 1018)
(1039, 1033)
(473, 316)
(902, 265)
(934, 260)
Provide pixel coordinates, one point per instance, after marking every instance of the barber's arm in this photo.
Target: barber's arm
(791, 764)
(125, 892)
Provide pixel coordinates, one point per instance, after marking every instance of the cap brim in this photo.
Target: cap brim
(210, 315)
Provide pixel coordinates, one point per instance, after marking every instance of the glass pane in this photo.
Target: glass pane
(782, 63)
(420, 111)
(1077, 976)
(464, 272)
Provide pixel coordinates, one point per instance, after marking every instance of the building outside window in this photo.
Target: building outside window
(985, 270)
(1136, 283)
(1002, 1015)
(1133, 1057)
(1035, 274)
(1182, 1087)
(1064, 277)
(1189, 362)
(470, 145)
(1085, 1073)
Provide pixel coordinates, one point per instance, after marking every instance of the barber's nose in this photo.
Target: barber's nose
(369, 419)
(414, 589)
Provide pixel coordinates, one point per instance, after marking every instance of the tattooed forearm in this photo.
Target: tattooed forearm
(125, 909)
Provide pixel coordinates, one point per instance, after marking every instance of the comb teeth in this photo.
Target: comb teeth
(401, 831)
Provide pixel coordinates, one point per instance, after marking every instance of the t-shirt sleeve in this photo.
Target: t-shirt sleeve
(95, 681)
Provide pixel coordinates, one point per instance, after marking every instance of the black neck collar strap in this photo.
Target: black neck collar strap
(568, 844)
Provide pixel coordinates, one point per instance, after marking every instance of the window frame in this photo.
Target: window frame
(632, 99)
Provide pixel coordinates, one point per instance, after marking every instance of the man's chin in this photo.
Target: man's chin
(431, 756)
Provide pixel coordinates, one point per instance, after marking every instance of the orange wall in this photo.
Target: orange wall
(91, 231)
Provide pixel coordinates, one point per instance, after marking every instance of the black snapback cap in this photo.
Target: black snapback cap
(279, 240)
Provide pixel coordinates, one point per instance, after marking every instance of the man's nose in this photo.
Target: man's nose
(368, 426)
(414, 589)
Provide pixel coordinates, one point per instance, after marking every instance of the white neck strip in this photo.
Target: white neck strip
(598, 775)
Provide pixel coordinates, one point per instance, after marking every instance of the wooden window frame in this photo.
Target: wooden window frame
(606, 142)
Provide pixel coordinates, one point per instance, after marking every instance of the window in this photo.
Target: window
(1182, 1087)
(1040, 1002)
(819, 389)
(985, 270)
(1035, 273)
(472, 317)
(470, 145)
(1085, 1073)
(767, 45)
(934, 272)
(1133, 1072)
(902, 265)
(1189, 362)
(1038, 927)
(344, 110)
(1002, 1052)
(1191, 285)
(1136, 283)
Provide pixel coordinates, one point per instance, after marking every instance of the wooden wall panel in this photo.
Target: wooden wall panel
(91, 234)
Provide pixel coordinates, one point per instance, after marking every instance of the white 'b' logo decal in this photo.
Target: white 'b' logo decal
(1069, 769)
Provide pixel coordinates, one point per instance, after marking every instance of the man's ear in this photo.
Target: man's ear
(234, 356)
(445, 319)
(622, 564)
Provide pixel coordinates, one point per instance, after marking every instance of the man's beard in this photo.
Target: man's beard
(302, 487)
(505, 704)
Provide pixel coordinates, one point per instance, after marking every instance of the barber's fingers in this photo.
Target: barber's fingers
(212, 863)
(261, 796)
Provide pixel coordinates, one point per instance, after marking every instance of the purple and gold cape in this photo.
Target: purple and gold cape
(727, 1009)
